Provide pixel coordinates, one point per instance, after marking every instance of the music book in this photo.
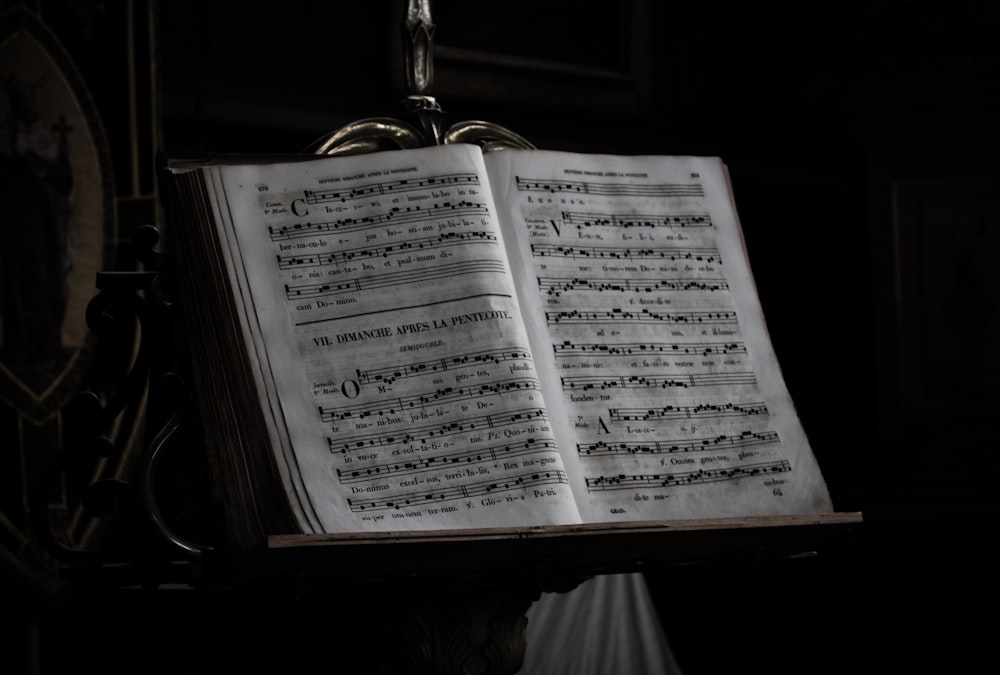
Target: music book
(446, 339)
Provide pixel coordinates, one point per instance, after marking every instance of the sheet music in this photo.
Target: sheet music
(661, 381)
(419, 406)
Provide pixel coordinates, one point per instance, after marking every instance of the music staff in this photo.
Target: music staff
(609, 189)
(405, 403)
(414, 499)
(438, 430)
(445, 271)
(362, 191)
(555, 286)
(568, 348)
(391, 374)
(630, 482)
(745, 439)
(589, 382)
(633, 220)
(467, 457)
(446, 239)
(707, 254)
(618, 315)
(395, 215)
(680, 412)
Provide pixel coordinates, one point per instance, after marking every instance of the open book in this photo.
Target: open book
(439, 339)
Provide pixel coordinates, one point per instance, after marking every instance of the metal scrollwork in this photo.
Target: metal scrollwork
(490, 136)
(420, 124)
(116, 306)
(370, 135)
(127, 303)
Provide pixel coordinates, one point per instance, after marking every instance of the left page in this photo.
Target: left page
(391, 354)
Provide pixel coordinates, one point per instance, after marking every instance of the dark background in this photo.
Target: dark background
(861, 139)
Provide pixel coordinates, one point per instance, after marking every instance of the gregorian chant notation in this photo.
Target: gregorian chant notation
(405, 278)
(630, 482)
(568, 348)
(396, 214)
(467, 457)
(706, 254)
(745, 439)
(422, 434)
(633, 220)
(680, 412)
(609, 189)
(346, 255)
(618, 315)
(401, 404)
(486, 487)
(393, 373)
(555, 286)
(362, 191)
(598, 382)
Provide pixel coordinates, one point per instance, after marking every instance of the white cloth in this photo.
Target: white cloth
(605, 626)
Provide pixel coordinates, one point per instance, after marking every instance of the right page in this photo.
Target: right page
(664, 390)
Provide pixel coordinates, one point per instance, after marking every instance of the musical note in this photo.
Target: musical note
(362, 191)
(581, 220)
(610, 189)
(743, 439)
(588, 382)
(555, 286)
(568, 348)
(618, 315)
(346, 255)
(406, 278)
(314, 290)
(437, 430)
(467, 457)
(395, 406)
(630, 482)
(391, 374)
(706, 254)
(415, 499)
(397, 215)
(675, 412)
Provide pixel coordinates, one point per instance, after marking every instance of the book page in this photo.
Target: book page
(393, 358)
(663, 387)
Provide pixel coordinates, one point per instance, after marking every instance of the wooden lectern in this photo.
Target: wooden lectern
(453, 602)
